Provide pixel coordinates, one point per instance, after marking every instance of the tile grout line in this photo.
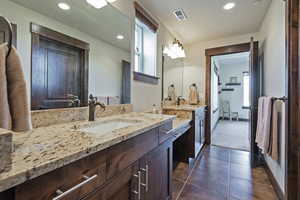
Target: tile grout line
(189, 176)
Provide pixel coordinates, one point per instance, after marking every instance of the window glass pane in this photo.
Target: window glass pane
(149, 52)
(246, 87)
(138, 47)
(145, 49)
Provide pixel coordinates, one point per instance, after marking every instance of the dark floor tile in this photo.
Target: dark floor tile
(217, 153)
(240, 158)
(191, 192)
(242, 189)
(210, 180)
(177, 187)
(182, 171)
(258, 175)
(211, 162)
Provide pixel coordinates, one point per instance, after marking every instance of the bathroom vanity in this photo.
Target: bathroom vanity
(191, 139)
(125, 156)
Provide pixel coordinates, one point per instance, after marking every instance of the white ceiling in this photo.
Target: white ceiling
(232, 59)
(105, 23)
(207, 20)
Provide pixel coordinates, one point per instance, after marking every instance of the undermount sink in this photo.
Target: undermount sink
(109, 126)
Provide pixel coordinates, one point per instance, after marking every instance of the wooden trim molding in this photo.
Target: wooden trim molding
(244, 47)
(57, 36)
(145, 17)
(138, 76)
(292, 137)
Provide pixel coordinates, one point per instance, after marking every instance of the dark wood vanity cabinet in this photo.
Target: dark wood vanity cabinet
(196, 135)
(156, 173)
(137, 169)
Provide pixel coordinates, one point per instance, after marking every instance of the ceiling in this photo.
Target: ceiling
(207, 20)
(232, 59)
(104, 24)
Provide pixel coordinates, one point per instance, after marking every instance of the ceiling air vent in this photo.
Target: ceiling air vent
(179, 14)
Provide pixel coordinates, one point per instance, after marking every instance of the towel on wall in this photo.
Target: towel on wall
(14, 106)
(264, 123)
(278, 122)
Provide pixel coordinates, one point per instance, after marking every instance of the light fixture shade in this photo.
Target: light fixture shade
(175, 50)
(97, 3)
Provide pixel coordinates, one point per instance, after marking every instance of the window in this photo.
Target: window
(246, 89)
(145, 49)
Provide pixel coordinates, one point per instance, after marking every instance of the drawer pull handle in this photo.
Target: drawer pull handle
(146, 170)
(62, 194)
(138, 192)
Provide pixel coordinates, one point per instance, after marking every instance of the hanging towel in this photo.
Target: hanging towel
(14, 107)
(278, 125)
(264, 123)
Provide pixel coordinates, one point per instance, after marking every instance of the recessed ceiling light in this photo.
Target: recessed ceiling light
(229, 6)
(120, 37)
(97, 3)
(64, 6)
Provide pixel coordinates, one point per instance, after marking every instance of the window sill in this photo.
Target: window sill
(138, 76)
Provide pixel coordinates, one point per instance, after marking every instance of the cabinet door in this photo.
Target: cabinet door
(124, 186)
(156, 169)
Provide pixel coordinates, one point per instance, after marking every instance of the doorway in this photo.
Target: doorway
(254, 84)
(230, 101)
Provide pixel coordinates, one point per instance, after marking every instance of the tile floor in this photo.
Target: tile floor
(232, 134)
(221, 174)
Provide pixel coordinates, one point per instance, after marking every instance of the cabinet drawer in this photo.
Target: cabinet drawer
(126, 153)
(74, 181)
(164, 132)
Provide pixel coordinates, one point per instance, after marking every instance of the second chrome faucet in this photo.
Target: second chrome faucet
(93, 103)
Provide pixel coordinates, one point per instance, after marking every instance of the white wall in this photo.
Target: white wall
(272, 46)
(104, 61)
(236, 97)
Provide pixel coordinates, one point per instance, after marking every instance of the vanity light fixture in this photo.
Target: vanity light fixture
(64, 6)
(229, 6)
(175, 50)
(97, 3)
(120, 37)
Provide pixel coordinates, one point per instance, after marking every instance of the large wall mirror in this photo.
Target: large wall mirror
(71, 50)
(173, 74)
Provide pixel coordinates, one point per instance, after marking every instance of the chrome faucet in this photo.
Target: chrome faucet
(93, 103)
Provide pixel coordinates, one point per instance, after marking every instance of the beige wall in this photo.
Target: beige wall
(104, 62)
(195, 63)
(272, 46)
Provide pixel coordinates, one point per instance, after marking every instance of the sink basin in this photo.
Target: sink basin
(109, 126)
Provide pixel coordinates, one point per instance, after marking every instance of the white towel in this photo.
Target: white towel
(264, 123)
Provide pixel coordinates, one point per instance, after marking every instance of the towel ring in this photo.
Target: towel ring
(10, 33)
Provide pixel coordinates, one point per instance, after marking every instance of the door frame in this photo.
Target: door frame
(292, 136)
(225, 50)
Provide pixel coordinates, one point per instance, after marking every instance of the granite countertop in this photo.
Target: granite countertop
(45, 149)
(184, 107)
(180, 122)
